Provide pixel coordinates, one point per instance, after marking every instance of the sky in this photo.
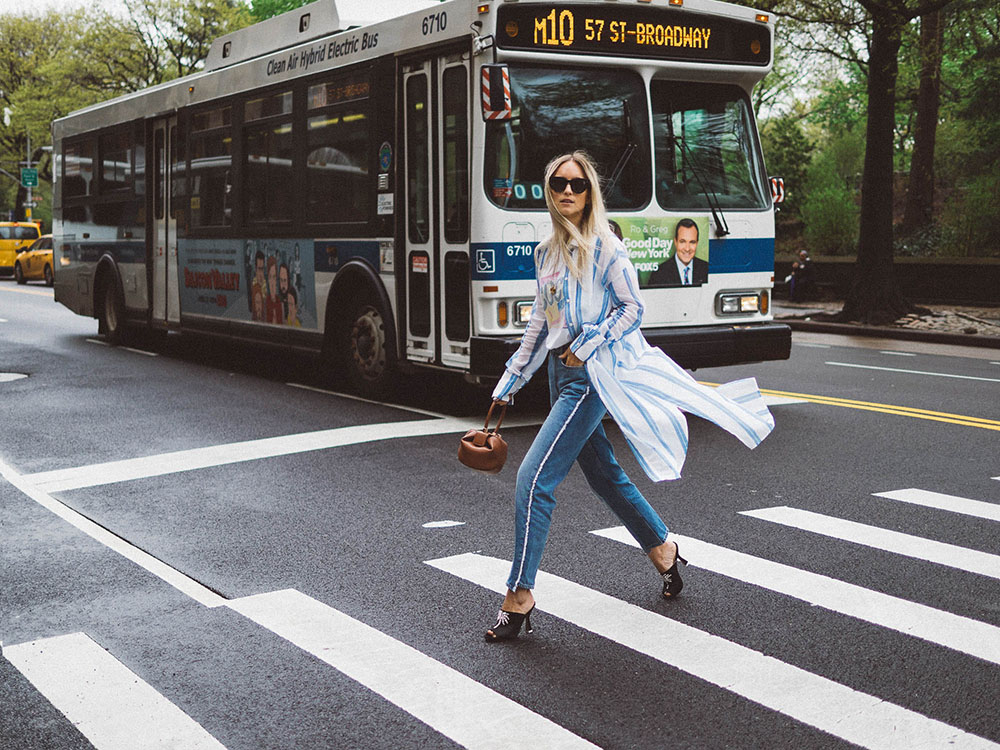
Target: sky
(346, 8)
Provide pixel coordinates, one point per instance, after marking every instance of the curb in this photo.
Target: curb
(886, 332)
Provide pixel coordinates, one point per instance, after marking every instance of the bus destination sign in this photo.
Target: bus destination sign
(663, 33)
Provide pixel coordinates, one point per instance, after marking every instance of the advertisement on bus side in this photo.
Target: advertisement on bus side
(259, 280)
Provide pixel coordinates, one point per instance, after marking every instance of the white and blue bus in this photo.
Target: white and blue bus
(372, 189)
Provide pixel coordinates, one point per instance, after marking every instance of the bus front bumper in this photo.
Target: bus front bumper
(690, 347)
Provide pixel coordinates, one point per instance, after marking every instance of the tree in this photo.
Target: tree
(919, 208)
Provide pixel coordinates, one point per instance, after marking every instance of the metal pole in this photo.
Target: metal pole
(27, 210)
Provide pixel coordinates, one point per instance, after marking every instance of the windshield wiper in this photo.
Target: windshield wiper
(630, 148)
(721, 227)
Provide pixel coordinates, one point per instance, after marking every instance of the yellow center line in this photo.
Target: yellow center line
(37, 292)
(903, 411)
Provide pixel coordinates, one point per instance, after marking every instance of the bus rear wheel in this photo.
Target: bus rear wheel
(111, 312)
(368, 357)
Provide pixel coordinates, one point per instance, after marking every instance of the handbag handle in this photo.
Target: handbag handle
(503, 413)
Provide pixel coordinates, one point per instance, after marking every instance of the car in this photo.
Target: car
(15, 236)
(35, 261)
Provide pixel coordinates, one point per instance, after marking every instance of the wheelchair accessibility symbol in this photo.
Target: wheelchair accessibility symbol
(485, 261)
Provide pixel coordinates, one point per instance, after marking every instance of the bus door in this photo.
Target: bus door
(436, 127)
(166, 292)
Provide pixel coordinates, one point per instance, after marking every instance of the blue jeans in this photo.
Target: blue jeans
(572, 432)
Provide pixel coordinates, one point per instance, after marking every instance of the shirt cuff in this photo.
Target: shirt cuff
(509, 385)
(586, 343)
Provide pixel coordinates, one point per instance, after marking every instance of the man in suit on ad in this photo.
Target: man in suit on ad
(682, 268)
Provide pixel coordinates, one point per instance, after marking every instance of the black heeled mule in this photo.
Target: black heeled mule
(508, 625)
(672, 583)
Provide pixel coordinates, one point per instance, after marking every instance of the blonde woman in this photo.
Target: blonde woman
(585, 323)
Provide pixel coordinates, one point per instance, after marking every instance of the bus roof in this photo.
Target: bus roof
(322, 38)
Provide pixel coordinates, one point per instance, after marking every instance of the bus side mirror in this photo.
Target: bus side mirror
(496, 92)
(777, 190)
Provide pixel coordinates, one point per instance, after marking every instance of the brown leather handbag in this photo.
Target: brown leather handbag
(484, 450)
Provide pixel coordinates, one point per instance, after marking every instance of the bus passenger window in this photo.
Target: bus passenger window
(78, 163)
(456, 155)
(116, 161)
(211, 164)
(337, 161)
(267, 177)
(417, 152)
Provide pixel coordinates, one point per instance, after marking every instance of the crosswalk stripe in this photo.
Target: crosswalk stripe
(953, 503)
(110, 472)
(952, 631)
(104, 699)
(451, 703)
(953, 556)
(814, 700)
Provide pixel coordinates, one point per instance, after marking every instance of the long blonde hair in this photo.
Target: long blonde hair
(593, 223)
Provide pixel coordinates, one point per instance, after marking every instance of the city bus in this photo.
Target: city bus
(371, 190)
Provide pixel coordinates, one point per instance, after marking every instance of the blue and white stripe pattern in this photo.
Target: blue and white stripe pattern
(642, 388)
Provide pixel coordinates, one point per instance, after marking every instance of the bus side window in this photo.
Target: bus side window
(456, 155)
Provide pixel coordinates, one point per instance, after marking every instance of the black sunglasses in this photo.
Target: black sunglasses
(577, 184)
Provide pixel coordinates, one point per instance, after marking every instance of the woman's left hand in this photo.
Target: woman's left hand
(570, 359)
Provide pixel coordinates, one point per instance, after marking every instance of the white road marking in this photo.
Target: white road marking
(114, 542)
(443, 524)
(9, 377)
(249, 450)
(914, 372)
(814, 700)
(457, 706)
(811, 346)
(898, 354)
(952, 631)
(126, 348)
(969, 560)
(354, 397)
(953, 503)
(105, 700)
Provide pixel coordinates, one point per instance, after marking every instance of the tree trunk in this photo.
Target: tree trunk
(919, 209)
(874, 296)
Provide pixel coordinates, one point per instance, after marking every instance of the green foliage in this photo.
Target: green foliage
(263, 9)
(787, 152)
(830, 209)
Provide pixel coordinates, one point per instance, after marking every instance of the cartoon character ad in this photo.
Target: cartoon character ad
(667, 252)
(264, 281)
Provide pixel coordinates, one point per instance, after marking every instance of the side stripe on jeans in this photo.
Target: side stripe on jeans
(534, 482)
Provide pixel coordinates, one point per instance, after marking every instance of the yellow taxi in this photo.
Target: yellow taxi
(35, 262)
(15, 236)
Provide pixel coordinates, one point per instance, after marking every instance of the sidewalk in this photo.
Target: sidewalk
(946, 324)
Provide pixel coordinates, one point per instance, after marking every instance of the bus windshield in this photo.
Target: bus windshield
(556, 110)
(705, 144)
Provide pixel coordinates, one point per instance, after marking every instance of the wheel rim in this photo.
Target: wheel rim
(368, 344)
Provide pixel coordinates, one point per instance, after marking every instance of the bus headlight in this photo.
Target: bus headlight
(522, 313)
(738, 304)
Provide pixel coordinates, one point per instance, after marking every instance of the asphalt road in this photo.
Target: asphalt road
(210, 545)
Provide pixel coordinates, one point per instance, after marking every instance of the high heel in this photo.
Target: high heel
(508, 625)
(672, 583)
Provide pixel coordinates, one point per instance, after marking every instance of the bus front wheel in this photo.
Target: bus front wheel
(368, 357)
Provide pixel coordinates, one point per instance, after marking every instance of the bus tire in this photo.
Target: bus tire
(368, 356)
(19, 274)
(49, 278)
(111, 310)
